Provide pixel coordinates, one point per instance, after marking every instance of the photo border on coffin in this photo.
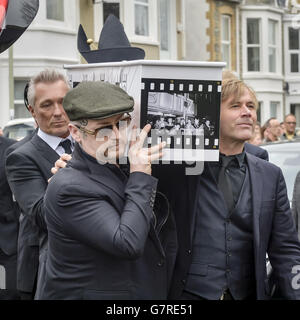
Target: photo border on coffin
(206, 96)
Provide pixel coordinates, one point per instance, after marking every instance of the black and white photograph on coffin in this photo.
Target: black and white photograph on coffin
(185, 114)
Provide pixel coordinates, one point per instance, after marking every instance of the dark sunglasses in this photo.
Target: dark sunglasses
(124, 121)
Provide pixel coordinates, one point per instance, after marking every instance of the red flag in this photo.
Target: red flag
(3, 8)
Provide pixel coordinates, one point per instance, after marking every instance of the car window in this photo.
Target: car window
(17, 132)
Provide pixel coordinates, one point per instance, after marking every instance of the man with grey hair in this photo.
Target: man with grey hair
(28, 170)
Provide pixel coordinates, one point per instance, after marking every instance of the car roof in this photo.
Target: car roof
(13, 122)
(282, 145)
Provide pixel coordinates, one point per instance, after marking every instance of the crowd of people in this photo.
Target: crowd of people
(79, 223)
(275, 131)
(183, 126)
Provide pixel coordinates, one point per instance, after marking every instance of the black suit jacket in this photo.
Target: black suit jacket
(28, 170)
(296, 202)
(274, 230)
(102, 242)
(9, 210)
(257, 151)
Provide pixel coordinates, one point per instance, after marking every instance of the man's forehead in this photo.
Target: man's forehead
(291, 117)
(274, 122)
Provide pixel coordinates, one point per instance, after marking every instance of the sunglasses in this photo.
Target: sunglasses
(291, 123)
(122, 123)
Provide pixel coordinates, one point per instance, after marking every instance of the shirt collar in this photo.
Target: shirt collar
(52, 141)
(240, 158)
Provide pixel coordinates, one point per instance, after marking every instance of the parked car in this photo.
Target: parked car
(18, 128)
(286, 155)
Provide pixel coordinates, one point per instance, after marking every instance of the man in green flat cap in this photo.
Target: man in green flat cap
(107, 235)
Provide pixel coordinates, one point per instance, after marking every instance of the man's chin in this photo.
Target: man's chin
(62, 132)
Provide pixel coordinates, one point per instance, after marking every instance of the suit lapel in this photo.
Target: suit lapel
(257, 190)
(44, 149)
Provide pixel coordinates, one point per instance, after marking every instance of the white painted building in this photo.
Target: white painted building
(291, 30)
(50, 41)
(262, 67)
(259, 40)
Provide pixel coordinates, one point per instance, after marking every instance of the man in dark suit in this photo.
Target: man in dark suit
(296, 203)
(9, 226)
(107, 237)
(28, 170)
(232, 215)
(257, 151)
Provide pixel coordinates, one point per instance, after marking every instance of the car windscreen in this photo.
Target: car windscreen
(18, 131)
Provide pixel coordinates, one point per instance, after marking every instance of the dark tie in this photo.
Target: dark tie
(66, 144)
(224, 182)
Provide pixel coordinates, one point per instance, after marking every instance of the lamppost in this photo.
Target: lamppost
(11, 81)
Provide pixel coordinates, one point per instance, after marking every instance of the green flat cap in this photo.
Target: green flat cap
(96, 100)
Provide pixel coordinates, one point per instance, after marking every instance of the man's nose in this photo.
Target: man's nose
(58, 109)
(246, 110)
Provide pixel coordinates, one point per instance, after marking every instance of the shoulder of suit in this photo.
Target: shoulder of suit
(6, 142)
(257, 161)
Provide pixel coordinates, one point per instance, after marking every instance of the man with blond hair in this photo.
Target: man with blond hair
(28, 170)
(232, 215)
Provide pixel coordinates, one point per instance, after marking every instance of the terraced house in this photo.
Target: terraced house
(258, 39)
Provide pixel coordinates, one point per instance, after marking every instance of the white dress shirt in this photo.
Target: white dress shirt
(54, 141)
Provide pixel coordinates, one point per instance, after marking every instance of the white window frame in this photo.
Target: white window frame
(98, 16)
(259, 45)
(224, 42)
(264, 14)
(68, 26)
(273, 46)
(171, 53)
(59, 1)
(277, 109)
(129, 24)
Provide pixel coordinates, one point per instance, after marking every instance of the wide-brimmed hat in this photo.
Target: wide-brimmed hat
(15, 17)
(113, 44)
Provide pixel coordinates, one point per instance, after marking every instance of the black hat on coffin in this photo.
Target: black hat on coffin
(113, 44)
(15, 20)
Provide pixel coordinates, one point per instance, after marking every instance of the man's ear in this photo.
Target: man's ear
(31, 110)
(75, 132)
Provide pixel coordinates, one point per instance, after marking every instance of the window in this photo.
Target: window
(225, 40)
(274, 109)
(294, 49)
(111, 7)
(272, 43)
(167, 34)
(253, 44)
(55, 10)
(258, 111)
(19, 106)
(141, 17)
(164, 25)
(295, 110)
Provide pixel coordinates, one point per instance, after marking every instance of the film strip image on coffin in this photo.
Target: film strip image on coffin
(181, 112)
